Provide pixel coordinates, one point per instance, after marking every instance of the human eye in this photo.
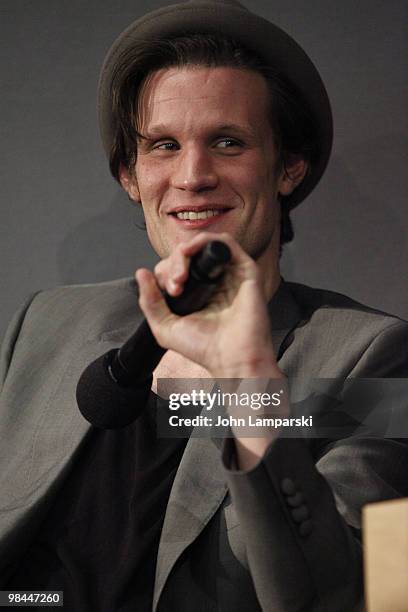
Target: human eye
(229, 146)
(165, 146)
(228, 143)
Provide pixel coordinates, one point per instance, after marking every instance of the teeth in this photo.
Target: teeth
(191, 216)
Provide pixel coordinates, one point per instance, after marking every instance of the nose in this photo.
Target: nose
(195, 170)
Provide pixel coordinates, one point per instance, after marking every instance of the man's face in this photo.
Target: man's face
(207, 159)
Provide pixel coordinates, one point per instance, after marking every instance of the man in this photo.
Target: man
(217, 137)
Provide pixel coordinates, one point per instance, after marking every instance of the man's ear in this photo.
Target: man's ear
(292, 175)
(129, 183)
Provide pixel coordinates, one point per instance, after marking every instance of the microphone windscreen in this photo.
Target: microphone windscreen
(103, 402)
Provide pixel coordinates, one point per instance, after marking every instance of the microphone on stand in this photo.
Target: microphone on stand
(113, 390)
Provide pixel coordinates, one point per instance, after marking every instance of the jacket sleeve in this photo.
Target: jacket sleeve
(300, 512)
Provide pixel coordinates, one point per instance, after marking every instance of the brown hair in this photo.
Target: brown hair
(294, 127)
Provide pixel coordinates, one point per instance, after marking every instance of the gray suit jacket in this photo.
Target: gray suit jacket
(230, 540)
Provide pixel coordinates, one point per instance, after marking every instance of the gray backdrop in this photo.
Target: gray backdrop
(64, 220)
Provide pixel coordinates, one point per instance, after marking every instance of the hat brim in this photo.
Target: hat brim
(269, 42)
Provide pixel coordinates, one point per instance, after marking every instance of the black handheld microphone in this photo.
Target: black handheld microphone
(113, 390)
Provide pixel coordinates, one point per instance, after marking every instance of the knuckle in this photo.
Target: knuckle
(161, 272)
(158, 268)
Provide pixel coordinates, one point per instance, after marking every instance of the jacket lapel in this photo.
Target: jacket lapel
(198, 490)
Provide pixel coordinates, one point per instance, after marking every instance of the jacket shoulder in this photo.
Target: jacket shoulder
(105, 292)
(54, 323)
(339, 335)
(312, 298)
(92, 307)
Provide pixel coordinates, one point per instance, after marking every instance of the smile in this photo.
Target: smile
(198, 219)
(192, 215)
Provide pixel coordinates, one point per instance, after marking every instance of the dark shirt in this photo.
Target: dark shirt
(99, 541)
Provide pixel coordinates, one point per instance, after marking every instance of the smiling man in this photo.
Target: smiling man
(207, 159)
(216, 137)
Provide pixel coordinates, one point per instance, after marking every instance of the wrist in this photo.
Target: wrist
(257, 367)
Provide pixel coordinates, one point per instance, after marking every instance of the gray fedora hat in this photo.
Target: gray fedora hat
(232, 19)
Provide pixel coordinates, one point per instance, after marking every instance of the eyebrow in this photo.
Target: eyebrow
(161, 128)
